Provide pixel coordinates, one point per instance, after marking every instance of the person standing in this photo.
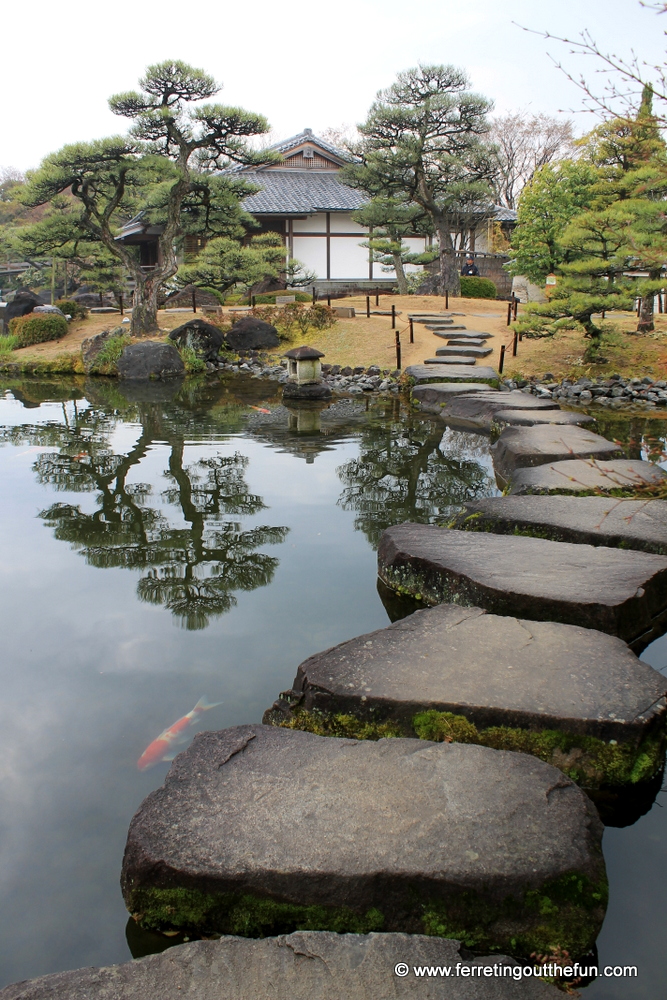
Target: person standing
(470, 268)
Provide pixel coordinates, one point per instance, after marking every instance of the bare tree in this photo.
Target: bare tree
(523, 143)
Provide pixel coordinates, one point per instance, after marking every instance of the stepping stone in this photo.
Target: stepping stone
(442, 328)
(494, 671)
(447, 333)
(465, 342)
(518, 447)
(629, 524)
(435, 396)
(468, 351)
(478, 411)
(622, 593)
(529, 418)
(419, 374)
(432, 317)
(622, 477)
(306, 965)
(452, 359)
(260, 827)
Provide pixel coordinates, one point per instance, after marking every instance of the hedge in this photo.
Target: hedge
(477, 288)
(72, 308)
(37, 328)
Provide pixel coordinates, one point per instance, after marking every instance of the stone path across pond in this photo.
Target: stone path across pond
(306, 965)
(622, 593)
(420, 374)
(530, 418)
(629, 524)
(588, 476)
(519, 447)
(260, 822)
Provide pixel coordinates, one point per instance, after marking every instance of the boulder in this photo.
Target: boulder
(531, 418)
(420, 374)
(478, 410)
(467, 351)
(306, 965)
(251, 334)
(627, 524)
(203, 338)
(622, 593)
(22, 304)
(150, 359)
(257, 827)
(92, 346)
(620, 477)
(433, 397)
(519, 447)
(493, 671)
(49, 309)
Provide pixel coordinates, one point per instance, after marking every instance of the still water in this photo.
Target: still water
(164, 544)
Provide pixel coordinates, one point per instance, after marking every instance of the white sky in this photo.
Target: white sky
(303, 64)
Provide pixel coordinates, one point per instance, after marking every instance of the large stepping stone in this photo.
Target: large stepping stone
(306, 965)
(519, 447)
(465, 342)
(531, 418)
(435, 396)
(619, 477)
(453, 359)
(467, 351)
(442, 332)
(472, 335)
(479, 411)
(622, 593)
(443, 327)
(257, 827)
(420, 374)
(495, 671)
(628, 524)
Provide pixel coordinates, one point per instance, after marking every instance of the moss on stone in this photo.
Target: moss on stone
(338, 724)
(589, 761)
(200, 913)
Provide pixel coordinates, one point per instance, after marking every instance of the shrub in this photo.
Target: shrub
(37, 328)
(72, 308)
(322, 317)
(477, 288)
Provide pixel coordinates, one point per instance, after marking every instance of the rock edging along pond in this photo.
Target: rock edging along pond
(259, 830)
(576, 698)
(620, 592)
(307, 965)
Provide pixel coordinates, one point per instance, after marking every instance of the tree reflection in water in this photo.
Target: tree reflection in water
(192, 570)
(412, 469)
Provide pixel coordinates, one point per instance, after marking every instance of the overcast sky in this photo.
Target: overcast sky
(306, 63)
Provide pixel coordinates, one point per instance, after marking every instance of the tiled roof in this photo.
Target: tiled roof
(503, 214)
(307, 136)
(299, 192)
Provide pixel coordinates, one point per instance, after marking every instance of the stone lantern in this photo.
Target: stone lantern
(304, 371)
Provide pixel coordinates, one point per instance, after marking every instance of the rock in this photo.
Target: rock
(91, 346)
(260, 824)
(530, 418)
(310, 390)
(250, 334)
(622, 593)
(478, 411)
(22, 304)
(464, 342)
(454, 359)
(519, 447)
(49, 309)
(203, 338)
(495, 671)
(435, 396)
(150, 359)
(307, 965)
(620, 476)
(419, 374)
(469, 351)
(628, 524)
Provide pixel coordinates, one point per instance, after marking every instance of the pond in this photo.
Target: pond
(164, 544)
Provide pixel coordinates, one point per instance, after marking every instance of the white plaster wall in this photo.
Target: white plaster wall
(341, 222)
(311, 224)
(348, 259)
(312, 251)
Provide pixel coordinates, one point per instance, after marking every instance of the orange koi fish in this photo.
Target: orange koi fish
(162, 748)
(260, 409)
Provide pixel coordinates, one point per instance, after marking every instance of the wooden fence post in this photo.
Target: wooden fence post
(502, 359)
(368, 307)
(412, 333)
(194, 301)
(398, 349)
(515, 344)
(393, 316)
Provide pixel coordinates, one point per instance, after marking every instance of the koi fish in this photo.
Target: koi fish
(260, 409)
(82, 454)
(162, 747)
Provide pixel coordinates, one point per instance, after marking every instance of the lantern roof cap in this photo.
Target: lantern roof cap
(303, 353)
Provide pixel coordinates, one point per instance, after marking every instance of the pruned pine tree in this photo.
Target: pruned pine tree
(391, 221)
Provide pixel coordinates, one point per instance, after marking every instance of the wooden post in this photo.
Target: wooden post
(120, 299)
(446, 299)
(377, 297)
(194, 301)
(515, 344)
(412, 333)
(393, 316)
(313, 294)
(368, 307)
(398, 349)
(502, 359)
(516, 305)
(509, 313)
(253, 301)
(329, 301)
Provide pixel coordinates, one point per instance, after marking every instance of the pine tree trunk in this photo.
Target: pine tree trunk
(144, 309)
(401, 280)
(450, 279)
(645, 324)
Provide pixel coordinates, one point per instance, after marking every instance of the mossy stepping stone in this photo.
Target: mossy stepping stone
(618, 477)
(519, 447)
(618, 592)
(258, 828)
(433, 397)
(527, 677)
(306, 965)
(628, 524)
